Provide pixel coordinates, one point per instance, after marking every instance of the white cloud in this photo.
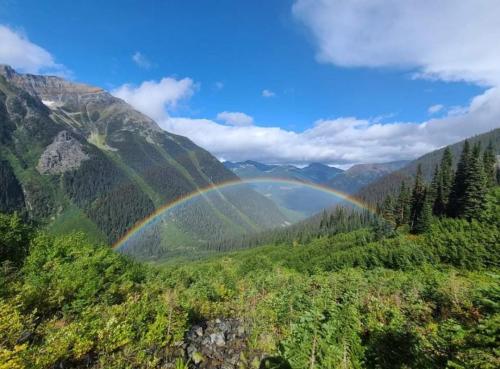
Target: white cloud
(154, 98)
(433, 109)
(20, 53)
(451, 40)
(141, 60)
(268, 93)
(342, 140)
(444, 39)
(235, 118)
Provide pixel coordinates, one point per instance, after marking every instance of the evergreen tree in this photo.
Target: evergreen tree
(489, 163)
(456, 200)
(435, 189)
(402, 208)
(388, 209)
(475, 188)
(445, 183)
(424, 217)
(417, 199)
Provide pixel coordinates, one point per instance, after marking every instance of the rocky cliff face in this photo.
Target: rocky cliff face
(62, 155)
(86, 158)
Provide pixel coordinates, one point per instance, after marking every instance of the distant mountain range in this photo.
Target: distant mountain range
(299, 201)
(314, 172)
(72, 157)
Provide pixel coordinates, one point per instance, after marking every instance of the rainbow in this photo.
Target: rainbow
(231, 183)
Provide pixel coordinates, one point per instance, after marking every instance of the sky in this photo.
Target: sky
(282, 81)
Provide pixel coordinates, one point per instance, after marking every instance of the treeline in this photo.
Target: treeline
(459, 193)
(328, 223)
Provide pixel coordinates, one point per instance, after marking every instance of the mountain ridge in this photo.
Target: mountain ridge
(389, 184)
(83, 156)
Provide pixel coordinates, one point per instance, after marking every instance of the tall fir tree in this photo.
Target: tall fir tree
(475, 188)
(388, 209)
(434, 194)
(440, 206)
(423, 218)
(489, 164)
(402, 208)
(417, 199)
(456, 199)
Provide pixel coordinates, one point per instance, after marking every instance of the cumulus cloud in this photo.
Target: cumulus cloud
(343, 140)
(268, 93)
(445, 39)
(235, 118)
(433, 109)
(20, 53)
(141, 60)
(156, 98)
(448, 40)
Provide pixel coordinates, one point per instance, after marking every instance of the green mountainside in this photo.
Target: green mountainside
(350, 300)
(74, 157)
(389, 184)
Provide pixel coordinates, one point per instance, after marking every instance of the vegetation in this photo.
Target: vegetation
(342, 300)
(459, 194)
(376, 191)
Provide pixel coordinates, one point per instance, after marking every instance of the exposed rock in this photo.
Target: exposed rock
(63, 154)
(220, 343)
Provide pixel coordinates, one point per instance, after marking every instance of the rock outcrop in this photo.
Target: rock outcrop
(63, 154)
(219, 343)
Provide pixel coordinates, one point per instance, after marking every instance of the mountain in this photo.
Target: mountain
(361, 175)
(300, 201)
(314, 172)
(73, 156)
(379, 189)
(295, 200)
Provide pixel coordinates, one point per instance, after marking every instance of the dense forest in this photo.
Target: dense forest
(417, 289)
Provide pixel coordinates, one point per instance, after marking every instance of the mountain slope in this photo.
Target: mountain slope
(378, 190)
(72, 153)
(360, 175)
(301, 201)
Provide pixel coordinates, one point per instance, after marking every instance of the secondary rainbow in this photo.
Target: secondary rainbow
(237, 182)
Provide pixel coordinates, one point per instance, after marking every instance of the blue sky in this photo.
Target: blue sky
(232, 51)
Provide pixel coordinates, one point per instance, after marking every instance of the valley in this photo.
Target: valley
(303, 184)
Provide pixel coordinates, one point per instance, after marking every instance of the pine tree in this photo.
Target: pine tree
(475, 189)
(388, 209)
(424, 217)
(489, 164)
(445, 183)
(417, 199)
(455, 206)
(402, 208)
(435, 191)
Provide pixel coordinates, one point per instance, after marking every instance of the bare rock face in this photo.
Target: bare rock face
(63, 154)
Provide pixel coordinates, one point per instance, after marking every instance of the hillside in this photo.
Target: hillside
(349, 300)
(389, 183)
(74, 157)
(361, 175)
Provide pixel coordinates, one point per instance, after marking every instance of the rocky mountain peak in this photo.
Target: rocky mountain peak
(48, 88)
